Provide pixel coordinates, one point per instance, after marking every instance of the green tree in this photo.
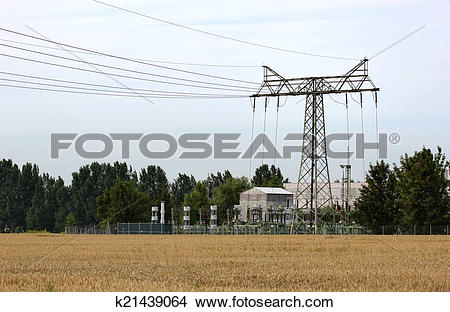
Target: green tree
(28, 180)
(182, 186)
(63, 198)
(422, 188)
(196, 199)
(227, 195)
(123, 202)
(275, 181)
(10, 196)
(41, 215)
(219, 178)
(27, 199)
(50, 208)
(271, 177)
(70, 220)
(37, 202)
(90, 182)
(153, 181)
(87, 185)
(116, 171)
(376, 205)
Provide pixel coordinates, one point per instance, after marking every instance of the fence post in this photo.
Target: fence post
(430, 229)
(383, 229)
(414, 229)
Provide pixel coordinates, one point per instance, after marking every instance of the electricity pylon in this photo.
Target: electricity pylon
(314, 188)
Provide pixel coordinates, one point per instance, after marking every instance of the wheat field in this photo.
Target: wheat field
(57, 262)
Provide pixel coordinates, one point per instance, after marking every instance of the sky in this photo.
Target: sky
(412, 75)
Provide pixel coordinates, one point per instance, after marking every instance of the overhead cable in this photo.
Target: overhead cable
(125, 58)
(226, 37)
(139, 59)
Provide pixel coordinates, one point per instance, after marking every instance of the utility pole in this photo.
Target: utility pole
(314, 177)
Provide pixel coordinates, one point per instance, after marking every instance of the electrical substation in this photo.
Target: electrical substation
(313, 205)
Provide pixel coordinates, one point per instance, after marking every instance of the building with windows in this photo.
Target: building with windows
(266, 204)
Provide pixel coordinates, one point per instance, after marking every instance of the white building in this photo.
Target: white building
(336, 192)
(268, 204)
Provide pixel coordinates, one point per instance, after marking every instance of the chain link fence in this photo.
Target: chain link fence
(431, 229)
(88, 230)
(258, 229)
(144, 228)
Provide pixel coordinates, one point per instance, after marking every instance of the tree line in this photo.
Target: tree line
(102, 192)
(411, 194)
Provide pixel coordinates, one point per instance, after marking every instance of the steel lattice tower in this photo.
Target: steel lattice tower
(314, 177)
(314, 188)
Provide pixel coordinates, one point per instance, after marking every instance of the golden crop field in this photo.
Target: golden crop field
(223, 263)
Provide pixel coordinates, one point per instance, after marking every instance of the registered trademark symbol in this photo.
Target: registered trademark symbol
(394, 138)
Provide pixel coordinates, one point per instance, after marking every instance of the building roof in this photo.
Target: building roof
(291, 185)
(273, 190)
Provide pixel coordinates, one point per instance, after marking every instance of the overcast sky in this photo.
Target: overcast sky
(413, 75)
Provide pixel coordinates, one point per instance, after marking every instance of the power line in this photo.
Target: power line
(348, 130)
(362, 133)
(376, 125)
(300, 100)
(285, 100)
(138, 59)
(351, 96)
(266, 102)
(123, 69)
(98, 85)
(253, 103)
(276, 131)
(124, 58)
(397, 42)
(122, 95)
(121, 92)
(336, 100)
(92, 66)
(226, 37)
(362, 130)
(117, 75)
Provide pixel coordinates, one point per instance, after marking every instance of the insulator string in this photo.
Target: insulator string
(253, 103)
(266, 100)
(376, 125)
(276, 132)
(362, 133)
(348, 131)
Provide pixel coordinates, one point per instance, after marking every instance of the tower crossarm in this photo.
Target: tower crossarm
(274, 83)
(355, 80)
